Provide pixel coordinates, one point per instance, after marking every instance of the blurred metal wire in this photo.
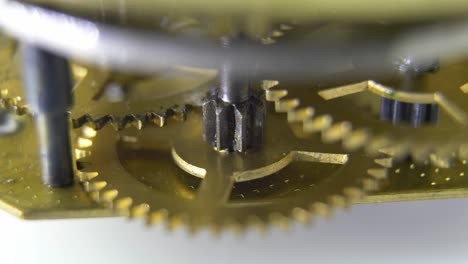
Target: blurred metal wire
(137, 51)
(308, 10)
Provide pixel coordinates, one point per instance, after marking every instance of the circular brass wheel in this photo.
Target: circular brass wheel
(170, 174)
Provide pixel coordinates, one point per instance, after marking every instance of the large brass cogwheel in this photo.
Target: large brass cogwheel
(169, 173)
(350, 114)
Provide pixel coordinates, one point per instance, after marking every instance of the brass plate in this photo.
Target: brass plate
(409, 182)
(21, 190)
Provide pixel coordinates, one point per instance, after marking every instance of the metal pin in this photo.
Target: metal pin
(411, 77)
(233, 88)
(48, 86)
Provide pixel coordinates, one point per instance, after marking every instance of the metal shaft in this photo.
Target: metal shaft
(411, 74)
(49, 94)
(234, 87)
(3, 116)
(55, 148)
(234, 112)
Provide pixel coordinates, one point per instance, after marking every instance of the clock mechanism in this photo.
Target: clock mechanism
(229, 116)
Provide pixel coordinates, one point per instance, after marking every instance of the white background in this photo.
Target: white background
(411, 232)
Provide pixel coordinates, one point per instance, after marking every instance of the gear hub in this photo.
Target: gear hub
(234, 126)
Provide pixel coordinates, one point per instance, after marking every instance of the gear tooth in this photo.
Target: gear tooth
(139, 124)
(256, 223)
(88, 132)
(119, 123)
(321, 209)
(421, 154)
(94, 196)
(338, 201)
(269, 84)
(377, 174)
(86, 176)
(84, 143)
(268, 41)
(353, 193)
(83, 120)
(122, 205)
(399, 151)
(177, 221)
(300, 115)
(279, 220)
(284, 106)
(180, 114)
(122, 123)
(109, 196)
(81, 153)
(95, 186)
(317, 124)
(277, 33)
(102, 122)
(275, 95)
(336, 132)
(242, 121)
(370, 184)
(157, 119)
(130, 121)
(384, 162)
(356, 140)
(158, 217)
(301, 215)
(377, 144)
(139, 211)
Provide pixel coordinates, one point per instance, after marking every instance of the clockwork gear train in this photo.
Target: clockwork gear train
(249, 119)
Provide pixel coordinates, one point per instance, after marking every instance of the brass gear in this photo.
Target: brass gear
(144, 173)
(178, 87)
(333, 191)
(356, 124)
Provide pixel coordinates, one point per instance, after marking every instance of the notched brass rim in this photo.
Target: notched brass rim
(109, 183)
(356, 131)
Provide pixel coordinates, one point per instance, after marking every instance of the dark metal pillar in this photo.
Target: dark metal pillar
(48, 85)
